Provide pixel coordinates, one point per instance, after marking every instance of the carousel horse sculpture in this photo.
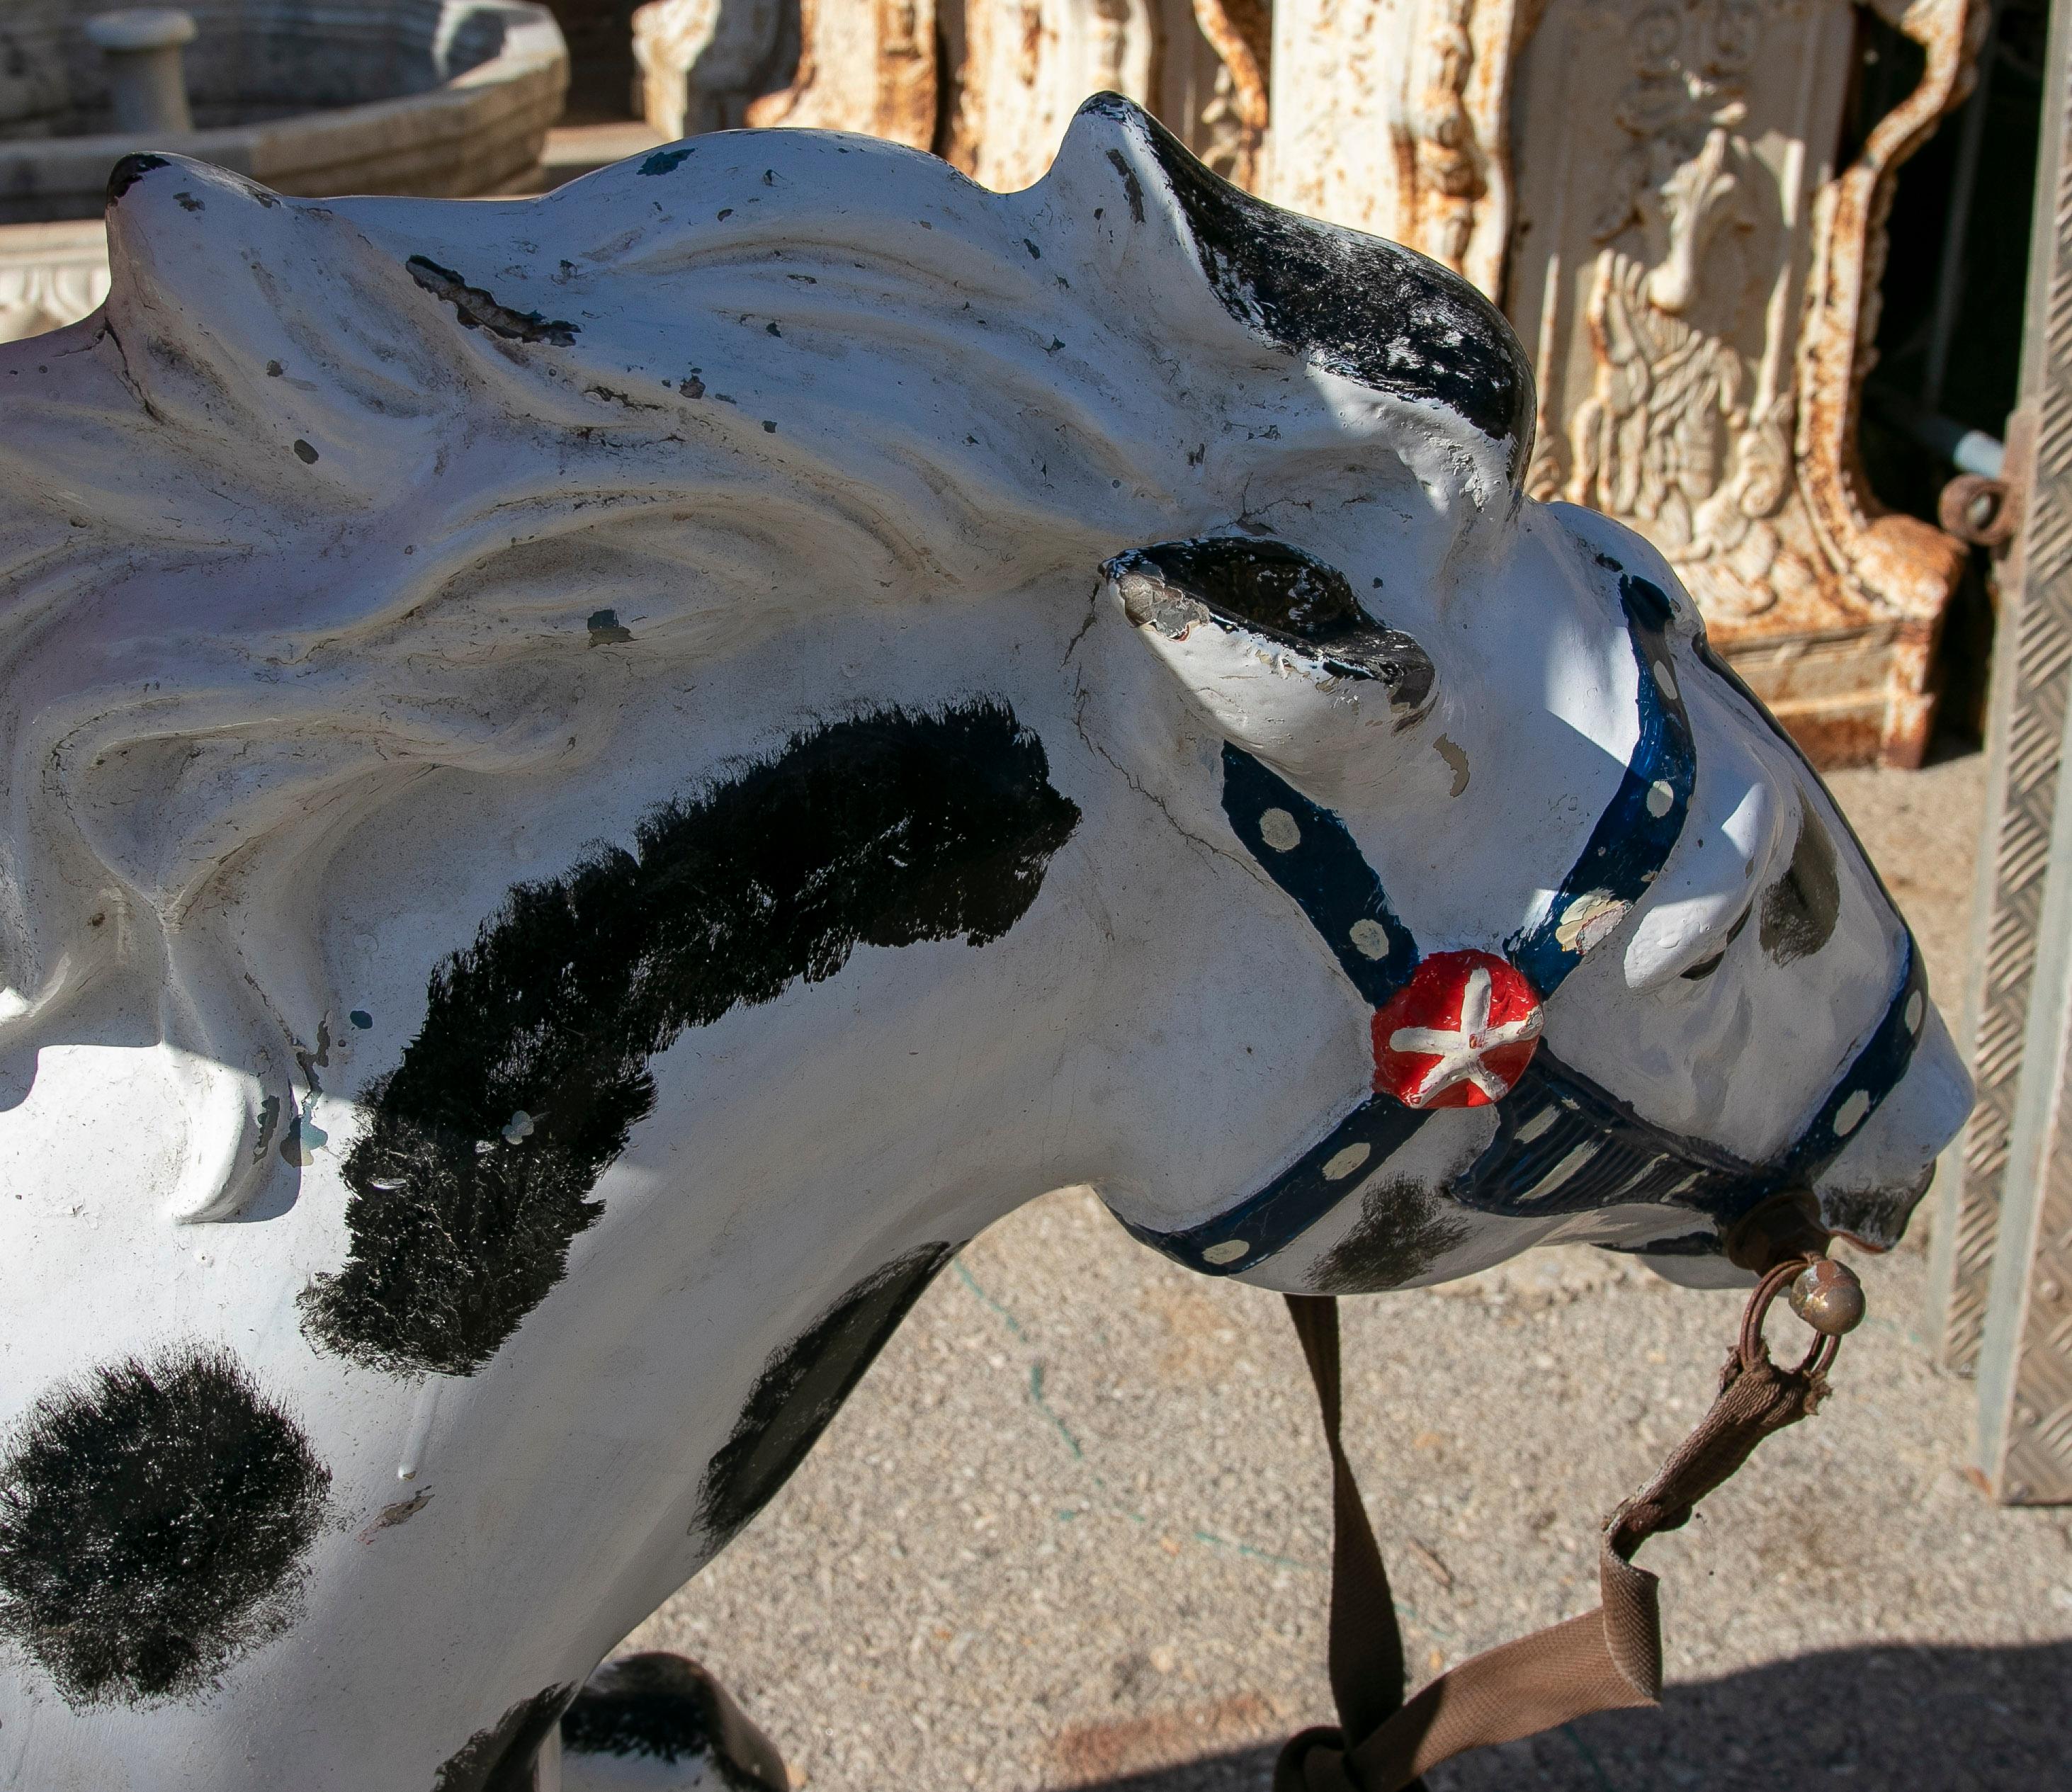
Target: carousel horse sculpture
(596, 783)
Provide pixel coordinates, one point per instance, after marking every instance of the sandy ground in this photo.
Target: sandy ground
(1072, 1530)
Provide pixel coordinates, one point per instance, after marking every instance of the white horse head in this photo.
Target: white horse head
(598, 781)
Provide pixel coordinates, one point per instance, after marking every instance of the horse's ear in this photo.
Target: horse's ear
(1366, 310)
(1272, 647)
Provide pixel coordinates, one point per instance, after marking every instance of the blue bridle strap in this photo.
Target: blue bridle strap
(1301, 1194)
(1308, 851)
(1563, 1143)
(1641, 823)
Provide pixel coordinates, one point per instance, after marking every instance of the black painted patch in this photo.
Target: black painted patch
(803, 1386)
(1277, 590)
(665, 162)
(1364, 308)
(531, 1070)
(153, 1516)
(1799, 910)
(502, 1757)
(1132, 188)
(1401, 1232)
(126, 173)
(664, 1707)
(477, 309)
(606, 629)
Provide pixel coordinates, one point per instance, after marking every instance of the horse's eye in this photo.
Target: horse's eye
(1705, 967)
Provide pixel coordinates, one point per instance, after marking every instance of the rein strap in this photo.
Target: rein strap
(1607, 1659)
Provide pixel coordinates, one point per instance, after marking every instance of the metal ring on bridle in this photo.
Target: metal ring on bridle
(1816, 1360)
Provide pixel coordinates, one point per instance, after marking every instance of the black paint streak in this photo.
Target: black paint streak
(663, 162)
(126, 173)
(479, 309)
(1799, 910)
(153, 1519)
(883, 831)
(501, 1758)
(1400, 1235)
(1368, 310)
(803, 1386)
(668, 1708)
(1278, 591)
(1132, 188)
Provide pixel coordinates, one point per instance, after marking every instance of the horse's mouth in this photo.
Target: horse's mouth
(1874, 1219)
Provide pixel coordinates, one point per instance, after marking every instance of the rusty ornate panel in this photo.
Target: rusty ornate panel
(1698, 283)
(1015, 72)
(1651, 187)
(2004, 1241)
(1391, 116)
(864, 65)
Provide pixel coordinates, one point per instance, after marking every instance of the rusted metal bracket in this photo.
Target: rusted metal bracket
(1986, 509)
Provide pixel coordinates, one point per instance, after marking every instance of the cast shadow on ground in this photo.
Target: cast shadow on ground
(1896, 1719)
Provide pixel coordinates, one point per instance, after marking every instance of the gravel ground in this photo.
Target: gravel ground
(1072, 1530)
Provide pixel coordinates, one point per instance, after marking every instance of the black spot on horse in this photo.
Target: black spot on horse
(1400, 1235)
(502, 1757)
(668, 1708)
(154, 1517)
(802, 1387)
(1798, 910)
(1368, 310)
(531, 1070)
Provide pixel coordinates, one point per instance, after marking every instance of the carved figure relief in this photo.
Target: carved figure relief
(1697, 281)
(1678, 432)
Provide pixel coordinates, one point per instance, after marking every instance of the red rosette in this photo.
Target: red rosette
(1458, 1035)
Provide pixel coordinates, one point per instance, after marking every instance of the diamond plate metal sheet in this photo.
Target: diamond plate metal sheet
(2029, 696)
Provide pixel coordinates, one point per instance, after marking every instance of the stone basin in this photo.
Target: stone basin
(440, 98)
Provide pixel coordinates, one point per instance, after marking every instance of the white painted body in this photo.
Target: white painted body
(282, 734)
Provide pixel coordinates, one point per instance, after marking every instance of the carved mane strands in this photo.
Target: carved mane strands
(379, 436)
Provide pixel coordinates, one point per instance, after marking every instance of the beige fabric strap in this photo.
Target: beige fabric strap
(1607, 1659)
